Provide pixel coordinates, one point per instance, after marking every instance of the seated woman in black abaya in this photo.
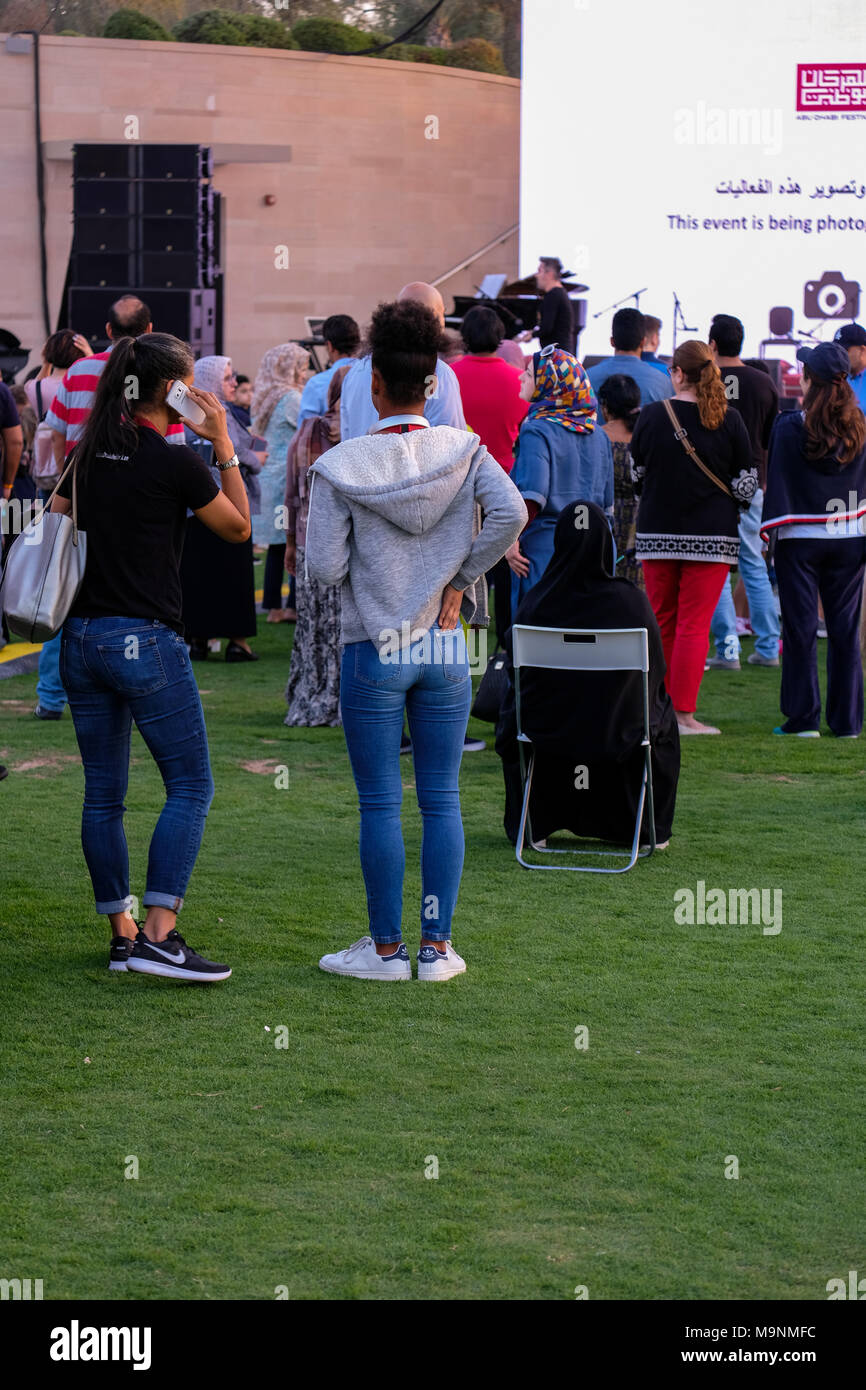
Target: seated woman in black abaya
(589, 719)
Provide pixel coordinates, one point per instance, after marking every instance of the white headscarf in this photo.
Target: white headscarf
(209, 374)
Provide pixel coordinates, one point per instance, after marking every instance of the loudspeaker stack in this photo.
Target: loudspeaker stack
(146, 218)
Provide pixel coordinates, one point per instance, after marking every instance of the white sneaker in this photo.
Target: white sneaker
(439, 965)
(361, 960)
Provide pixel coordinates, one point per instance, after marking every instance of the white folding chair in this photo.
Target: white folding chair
(581, 649)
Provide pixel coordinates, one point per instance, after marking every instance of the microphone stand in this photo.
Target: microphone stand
(635, 295)
(805, 333)
(680, 320)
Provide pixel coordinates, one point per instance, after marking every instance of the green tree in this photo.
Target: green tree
(497, 21)
(263, 31)
(210, 26)
(328, 36)
(477, 54)
(132, 24)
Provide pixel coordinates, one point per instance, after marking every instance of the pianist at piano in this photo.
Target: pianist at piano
(522, 303)
(556, 323)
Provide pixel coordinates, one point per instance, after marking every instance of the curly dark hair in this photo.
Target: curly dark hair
(405, 340)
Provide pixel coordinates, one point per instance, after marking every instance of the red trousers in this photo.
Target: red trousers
(684, 594)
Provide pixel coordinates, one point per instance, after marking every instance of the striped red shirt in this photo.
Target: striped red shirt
(74, 401)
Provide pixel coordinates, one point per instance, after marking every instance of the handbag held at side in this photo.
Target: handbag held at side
(492, 690)
(44, 570)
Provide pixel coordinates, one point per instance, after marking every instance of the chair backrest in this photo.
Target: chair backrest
(581, 649)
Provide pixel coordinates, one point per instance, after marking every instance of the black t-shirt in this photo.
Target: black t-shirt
(752, 394)
(134, 513)
(557, 320)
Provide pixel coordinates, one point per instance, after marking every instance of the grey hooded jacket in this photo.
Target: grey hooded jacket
(394, 518)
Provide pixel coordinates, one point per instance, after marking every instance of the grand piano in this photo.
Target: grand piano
(517, 303)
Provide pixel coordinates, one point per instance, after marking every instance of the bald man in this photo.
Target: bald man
(444, 407)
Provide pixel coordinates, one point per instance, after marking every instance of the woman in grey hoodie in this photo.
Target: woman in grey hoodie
(394, 520)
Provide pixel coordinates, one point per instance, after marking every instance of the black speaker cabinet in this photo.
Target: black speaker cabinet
(104, 268)
(107, 198)
(170, 269)
(105, 234)
(175, 162)
(187, 314)
(162, 198)
(118, 161)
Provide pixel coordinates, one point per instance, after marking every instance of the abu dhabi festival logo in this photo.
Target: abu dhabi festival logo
(832, 87)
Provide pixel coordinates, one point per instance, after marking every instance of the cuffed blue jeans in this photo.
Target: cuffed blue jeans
(429, 681)
(114, 671)
(759, 592)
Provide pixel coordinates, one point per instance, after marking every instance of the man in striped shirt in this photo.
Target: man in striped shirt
(128, 317)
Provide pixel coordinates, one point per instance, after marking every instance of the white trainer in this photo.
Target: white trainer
(361, 960)
(439, 965)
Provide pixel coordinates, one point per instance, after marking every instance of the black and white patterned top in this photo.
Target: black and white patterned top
(682, 514)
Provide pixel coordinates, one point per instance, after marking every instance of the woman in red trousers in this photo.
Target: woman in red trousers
(692, 473)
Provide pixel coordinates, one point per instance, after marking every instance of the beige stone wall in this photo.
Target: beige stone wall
(364, 201)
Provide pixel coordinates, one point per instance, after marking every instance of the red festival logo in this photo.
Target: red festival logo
(831, 87)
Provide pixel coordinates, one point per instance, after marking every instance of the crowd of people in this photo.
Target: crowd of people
(392, 491)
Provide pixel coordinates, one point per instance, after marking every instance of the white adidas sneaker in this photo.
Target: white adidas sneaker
(439, 965)
(361, 960)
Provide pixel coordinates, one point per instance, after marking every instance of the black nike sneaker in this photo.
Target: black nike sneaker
(118, 956)
(174, 959)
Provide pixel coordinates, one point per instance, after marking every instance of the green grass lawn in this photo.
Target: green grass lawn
(304, 1166)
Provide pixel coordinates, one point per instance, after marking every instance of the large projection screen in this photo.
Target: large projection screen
(715, 151)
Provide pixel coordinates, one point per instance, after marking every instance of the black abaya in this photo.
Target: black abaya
(218, 585)
(589, 720)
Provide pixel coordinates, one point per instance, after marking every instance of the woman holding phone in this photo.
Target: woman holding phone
(123, 657)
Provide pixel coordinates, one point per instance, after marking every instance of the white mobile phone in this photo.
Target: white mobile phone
(179, 399)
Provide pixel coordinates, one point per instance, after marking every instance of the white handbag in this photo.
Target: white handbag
(44, 570)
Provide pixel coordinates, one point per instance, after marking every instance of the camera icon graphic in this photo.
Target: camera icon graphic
(831, 297)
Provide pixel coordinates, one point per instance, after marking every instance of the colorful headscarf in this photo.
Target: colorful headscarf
(208, 374)
(281, 370)
(562, 391)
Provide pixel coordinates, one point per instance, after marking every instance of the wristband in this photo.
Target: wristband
(233, 462)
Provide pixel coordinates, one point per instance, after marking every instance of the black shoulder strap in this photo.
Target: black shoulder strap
(682, 436)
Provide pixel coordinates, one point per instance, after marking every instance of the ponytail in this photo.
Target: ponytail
(109, 431)
(135, 373)
(697, 365)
